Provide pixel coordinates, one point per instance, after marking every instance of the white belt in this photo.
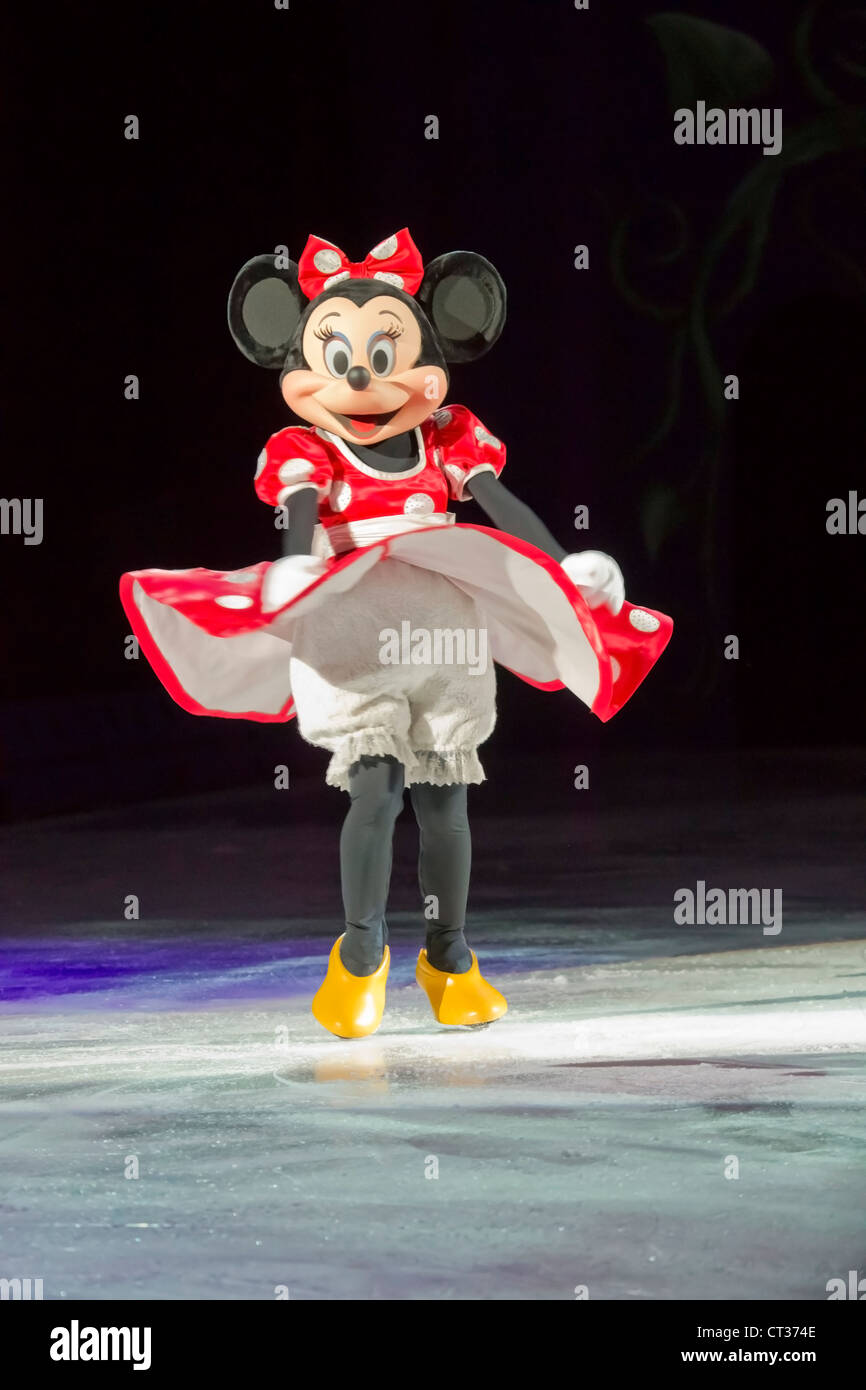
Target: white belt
(335, 540)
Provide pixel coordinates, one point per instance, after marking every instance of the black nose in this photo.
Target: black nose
(358, 378)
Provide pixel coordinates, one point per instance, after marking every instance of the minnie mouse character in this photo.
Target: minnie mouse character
(340, 630)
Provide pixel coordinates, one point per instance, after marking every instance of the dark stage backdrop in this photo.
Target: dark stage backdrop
(259, 125)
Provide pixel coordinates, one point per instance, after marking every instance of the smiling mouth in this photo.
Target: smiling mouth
(364, 424)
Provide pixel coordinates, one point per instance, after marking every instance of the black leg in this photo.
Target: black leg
(444, 866)
(376, 791)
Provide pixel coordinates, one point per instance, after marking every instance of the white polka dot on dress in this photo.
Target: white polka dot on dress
(643, 621)
(341, 496)
(419, 504)
(484, 437)
(294, 471)
(234, 601)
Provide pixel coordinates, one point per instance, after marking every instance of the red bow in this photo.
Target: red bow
(395, 261)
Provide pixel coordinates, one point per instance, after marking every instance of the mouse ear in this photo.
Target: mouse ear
(463, 296)
(265, 308)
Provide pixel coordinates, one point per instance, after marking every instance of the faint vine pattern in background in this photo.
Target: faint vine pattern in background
(826, 49)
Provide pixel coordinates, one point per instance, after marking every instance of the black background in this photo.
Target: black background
(259, 126)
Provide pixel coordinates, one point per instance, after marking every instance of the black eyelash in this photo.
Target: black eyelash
(326, 332)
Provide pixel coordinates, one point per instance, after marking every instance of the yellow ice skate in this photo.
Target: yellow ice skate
(351, 1006)
(456, 999)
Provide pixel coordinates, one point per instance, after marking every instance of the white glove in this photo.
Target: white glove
(598, 577)
(289, 577)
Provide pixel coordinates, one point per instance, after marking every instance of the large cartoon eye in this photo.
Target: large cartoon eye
(382, 354)
(338, 356)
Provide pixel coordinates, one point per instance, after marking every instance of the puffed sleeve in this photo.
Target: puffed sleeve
(465, 448)
(291, 460)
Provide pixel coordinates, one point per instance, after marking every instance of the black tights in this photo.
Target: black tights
(376, 791)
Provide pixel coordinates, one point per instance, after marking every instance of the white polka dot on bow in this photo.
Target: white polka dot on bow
(326, 260)
(386, 248)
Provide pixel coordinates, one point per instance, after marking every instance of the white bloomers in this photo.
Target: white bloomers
(399, 665)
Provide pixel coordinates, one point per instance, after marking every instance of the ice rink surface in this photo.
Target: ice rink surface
(665, 1112)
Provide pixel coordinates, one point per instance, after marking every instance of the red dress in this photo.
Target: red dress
(218, 652)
